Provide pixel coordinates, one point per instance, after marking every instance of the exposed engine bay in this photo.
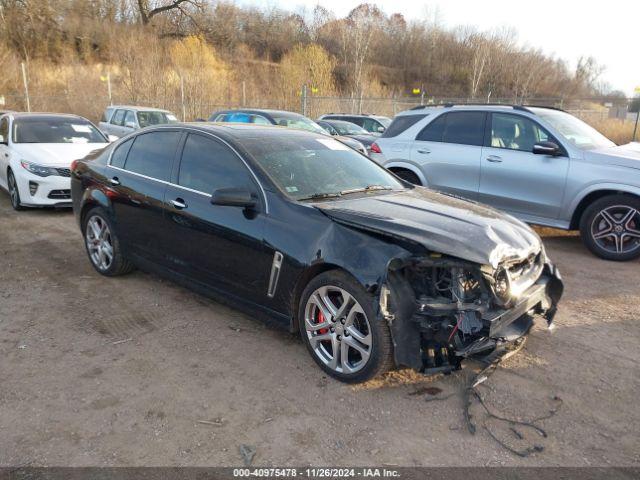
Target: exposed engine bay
(442, 310)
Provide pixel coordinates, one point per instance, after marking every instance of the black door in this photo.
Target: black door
(139, 171)
(221, 246)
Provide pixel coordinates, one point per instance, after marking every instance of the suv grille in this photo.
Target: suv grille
(64, 172)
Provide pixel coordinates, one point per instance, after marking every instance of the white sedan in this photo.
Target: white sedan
(36, 151)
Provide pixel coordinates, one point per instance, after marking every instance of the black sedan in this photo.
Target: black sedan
(350, 130)
(372, 271)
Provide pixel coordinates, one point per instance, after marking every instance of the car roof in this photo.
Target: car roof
(339, 122)
(44, 115)
(260, 111)
(236, 131)
(137, 108)
(363, 115)
(422, 109)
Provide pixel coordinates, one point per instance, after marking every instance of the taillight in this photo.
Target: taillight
(74, 164)
(375, 148)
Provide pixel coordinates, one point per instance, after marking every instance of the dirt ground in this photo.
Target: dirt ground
(138, 371)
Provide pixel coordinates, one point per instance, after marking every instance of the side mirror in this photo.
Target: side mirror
(112, 138)
(130, 124)
(3, 141)
(546, 148)
(381, 129)
(233, 197)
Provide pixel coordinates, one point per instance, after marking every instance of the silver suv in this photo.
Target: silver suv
(540, 164)
(121, 120)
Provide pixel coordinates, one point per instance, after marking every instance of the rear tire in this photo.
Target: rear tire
(610, 227)
(356, 343)
(14, 193)
(407, 176)
(102, 245)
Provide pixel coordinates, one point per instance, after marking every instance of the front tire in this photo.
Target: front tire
(102, 245)
(339, 325)
(14, 193)
(610, 227)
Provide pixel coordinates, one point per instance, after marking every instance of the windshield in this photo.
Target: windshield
(575, 130)
(55, 130)
(384, 121)
(298, 121)
(146, 119)
(308, 166)
(348, 128)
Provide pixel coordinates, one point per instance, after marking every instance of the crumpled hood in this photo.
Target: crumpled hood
(55, 154)
(623, 155)
(441, 223)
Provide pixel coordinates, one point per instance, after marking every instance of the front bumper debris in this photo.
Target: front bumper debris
(433, 334)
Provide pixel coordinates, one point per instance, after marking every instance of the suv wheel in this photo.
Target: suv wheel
(407, 176)
(610, 227)
(339, 325)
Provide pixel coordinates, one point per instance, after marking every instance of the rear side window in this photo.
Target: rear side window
(208, 165)
(434, 131)
(118, 117)
(106, 115)
(462, 128)
(119, 155)
(152, 154)
(400, 124)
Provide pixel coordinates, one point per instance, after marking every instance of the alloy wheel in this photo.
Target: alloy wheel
(338, 329)
(13, 191)
(616, 229)
(98, 238)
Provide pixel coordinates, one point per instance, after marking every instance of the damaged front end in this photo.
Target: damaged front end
(442, 310)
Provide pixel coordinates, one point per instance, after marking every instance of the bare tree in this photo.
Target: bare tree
(147, 10)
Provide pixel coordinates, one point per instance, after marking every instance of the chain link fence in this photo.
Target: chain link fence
(592, 110)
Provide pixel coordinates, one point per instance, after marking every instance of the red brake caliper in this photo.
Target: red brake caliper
(320, 320)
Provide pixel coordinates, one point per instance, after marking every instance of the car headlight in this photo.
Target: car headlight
(502, 286)
(39, 170)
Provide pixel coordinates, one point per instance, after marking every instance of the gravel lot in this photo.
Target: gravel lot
(138, 371)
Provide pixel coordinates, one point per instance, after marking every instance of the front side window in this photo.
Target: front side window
(208, 165)
(515, 132)
(130, 119)
(152, 154)
(308, 166)
(118, 118)
(55, 130)
(462, 128)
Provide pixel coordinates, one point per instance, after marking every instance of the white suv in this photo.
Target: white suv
(540, 164)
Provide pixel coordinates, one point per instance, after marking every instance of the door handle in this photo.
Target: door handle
(494, 159)
(424, 150)
(178, 203)
(114, 181)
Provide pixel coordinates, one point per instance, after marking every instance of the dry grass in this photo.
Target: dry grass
(619, 131)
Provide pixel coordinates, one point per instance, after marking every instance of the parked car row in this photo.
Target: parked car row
(299, 225)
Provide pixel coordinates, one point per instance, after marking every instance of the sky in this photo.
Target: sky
(609, 31)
